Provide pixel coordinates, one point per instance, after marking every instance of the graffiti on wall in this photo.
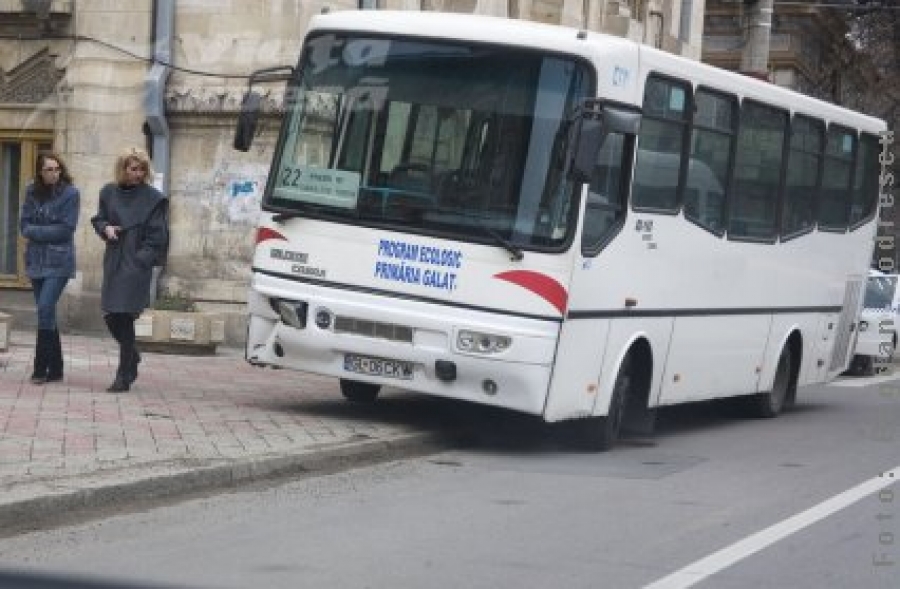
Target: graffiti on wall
(238, 193)
(243, 198)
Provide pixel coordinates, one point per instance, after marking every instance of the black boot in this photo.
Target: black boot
(120, 384)
(55, 363)
(136, 359)
(41, 356)
(122, 328)
(127, 371)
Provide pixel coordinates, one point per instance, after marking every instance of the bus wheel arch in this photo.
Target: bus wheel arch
(628, 403)
(639, 416)
(782, 394)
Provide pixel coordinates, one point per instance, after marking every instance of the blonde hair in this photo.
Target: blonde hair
(133, 154)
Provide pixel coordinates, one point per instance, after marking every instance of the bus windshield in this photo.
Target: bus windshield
(456, 140)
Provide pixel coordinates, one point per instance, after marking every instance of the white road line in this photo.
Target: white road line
(857, 382)
(712, 564)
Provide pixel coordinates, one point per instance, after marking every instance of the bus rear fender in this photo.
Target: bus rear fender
(792, 340)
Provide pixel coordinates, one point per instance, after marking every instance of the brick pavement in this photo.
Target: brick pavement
(189, 424)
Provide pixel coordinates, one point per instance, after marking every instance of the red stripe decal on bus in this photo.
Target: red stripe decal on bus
(265, 233)
(540, 284)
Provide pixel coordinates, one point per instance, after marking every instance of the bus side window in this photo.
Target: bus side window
(604, 211)
(801, 185)
(757, 172)
(712, 143)
(865, 180)
(663, 130)
(834, 203)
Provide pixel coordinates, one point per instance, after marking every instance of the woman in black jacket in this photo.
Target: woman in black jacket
(48, 220)
(132, 219)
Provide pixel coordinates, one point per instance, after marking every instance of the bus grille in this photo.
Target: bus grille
(364, 327)
(844, 332)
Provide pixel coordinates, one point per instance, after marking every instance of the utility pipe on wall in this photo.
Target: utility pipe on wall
(155, 106)
(155, 89)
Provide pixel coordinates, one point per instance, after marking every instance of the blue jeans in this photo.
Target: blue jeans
(46, 294)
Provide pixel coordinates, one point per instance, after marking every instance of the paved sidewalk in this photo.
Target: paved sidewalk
(189, 424)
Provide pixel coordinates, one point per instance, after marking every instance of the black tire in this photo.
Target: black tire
(772, 402)
(601, 433)
(359, 392)
(861, 366)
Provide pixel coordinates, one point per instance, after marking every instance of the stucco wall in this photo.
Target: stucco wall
(100, 112)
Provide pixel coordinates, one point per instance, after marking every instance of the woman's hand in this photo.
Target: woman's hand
(112, 232)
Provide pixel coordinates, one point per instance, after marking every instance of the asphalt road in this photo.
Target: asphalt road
(712, 501)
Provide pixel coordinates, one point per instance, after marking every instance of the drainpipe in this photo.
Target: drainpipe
(155, 108)
(155, 88)
(684, 29)
(755, 56)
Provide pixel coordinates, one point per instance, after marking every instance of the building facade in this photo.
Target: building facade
(88, 78)
(809, 51)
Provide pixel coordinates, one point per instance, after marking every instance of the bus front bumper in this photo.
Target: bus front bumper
(412, 348)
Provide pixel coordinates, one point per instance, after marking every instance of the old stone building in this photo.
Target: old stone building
(810, 51)
(88, 78)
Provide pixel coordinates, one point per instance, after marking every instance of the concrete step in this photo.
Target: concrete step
(20, 305)
(73, 314)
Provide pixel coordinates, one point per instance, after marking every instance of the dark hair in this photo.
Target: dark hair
(43, 190)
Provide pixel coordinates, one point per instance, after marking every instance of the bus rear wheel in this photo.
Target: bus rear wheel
(602, 433)
(359, 392)
(772, 402)
(861, 365)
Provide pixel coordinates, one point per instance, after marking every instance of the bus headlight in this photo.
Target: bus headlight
(476, 342)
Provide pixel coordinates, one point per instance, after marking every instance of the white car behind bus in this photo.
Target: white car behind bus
(878, 322)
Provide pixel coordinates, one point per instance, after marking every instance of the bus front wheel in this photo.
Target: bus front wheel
(601, 433)
(359, 392)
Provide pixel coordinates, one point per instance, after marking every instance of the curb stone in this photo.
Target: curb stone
(83, 498)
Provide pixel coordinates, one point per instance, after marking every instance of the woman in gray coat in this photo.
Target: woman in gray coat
(48, 221)
(132, 219)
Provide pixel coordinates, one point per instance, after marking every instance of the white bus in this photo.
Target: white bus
(555, 222)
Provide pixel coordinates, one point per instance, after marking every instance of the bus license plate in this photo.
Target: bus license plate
(378, 366)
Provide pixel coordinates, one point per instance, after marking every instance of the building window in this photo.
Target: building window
(17, 159)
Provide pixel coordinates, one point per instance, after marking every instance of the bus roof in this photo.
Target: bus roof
(592, 46)
(465, 27)
(748, 87)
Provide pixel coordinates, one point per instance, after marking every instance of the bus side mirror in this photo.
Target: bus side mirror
(590, 138)
(247, 119)
(621, 121)
(595, 124)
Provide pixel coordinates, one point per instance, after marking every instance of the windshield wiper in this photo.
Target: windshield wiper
(515, 253)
